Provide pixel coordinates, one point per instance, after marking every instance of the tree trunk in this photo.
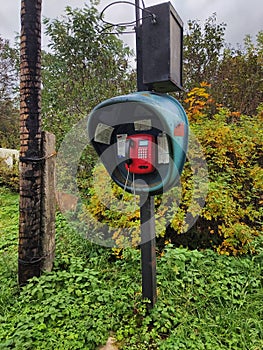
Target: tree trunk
(29, 251)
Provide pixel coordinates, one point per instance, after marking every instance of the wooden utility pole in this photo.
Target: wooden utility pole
(31, 158)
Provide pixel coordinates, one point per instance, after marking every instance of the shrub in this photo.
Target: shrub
(9, 176)
(232, 144)
(231, 218)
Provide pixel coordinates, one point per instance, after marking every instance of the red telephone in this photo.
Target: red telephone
(141, 153)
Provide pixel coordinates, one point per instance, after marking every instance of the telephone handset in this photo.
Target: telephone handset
(140, 150)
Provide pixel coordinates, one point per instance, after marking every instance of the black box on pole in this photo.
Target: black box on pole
(162, 48)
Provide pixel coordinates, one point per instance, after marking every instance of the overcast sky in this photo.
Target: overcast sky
(241, 16)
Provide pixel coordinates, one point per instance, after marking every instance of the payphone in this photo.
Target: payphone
(141, 139)
(140, 153)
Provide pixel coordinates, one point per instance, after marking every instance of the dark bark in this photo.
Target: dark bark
(29, 252)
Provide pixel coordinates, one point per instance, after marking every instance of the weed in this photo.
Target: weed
(205, 300)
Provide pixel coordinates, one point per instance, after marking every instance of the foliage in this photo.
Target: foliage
(239, 84)
(9, 115)
(233, 73)
(87, 64)
(8, 247)
(232, 144)
(205, 300)
(202, 51)
(200, 296)
(199, 102)
(9, 176)
(231, 218)
(108, 204)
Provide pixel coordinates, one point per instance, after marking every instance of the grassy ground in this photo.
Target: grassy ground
(205, 301)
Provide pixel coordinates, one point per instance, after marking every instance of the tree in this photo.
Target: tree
(235, 74)
(86, 65)
(239, 84)
(29, 251)
(203, 48)
(9, 115)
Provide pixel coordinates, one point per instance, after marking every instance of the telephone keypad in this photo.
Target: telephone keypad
(142, 152)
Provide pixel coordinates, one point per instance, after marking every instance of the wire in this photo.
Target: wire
(117, 33)
(134, 192)
(126, 24)
(124, 189)
(126, 181)
(36, 159)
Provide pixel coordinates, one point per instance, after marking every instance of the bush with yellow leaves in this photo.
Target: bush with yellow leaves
(231, 219)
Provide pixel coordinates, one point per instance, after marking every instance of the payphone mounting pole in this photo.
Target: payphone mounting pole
(148, 247)
(148, 253)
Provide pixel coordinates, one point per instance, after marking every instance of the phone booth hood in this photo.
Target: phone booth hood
(141, 113)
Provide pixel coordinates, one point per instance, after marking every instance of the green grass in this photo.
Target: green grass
(205, 301)
(8, 247)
